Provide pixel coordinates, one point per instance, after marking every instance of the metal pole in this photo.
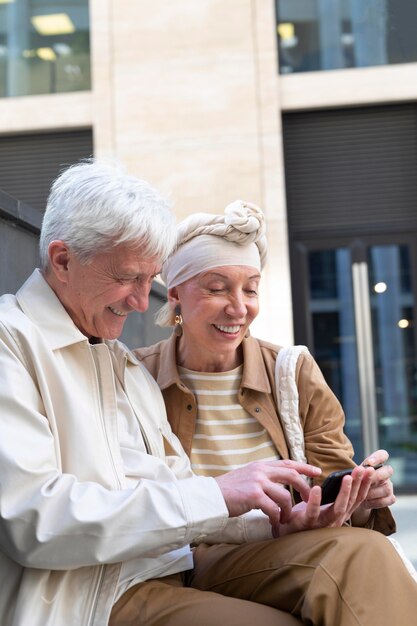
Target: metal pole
(366, 369)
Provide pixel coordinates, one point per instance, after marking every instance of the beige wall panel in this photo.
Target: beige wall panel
(273, 178)
(349, 87)
(274, 322)
(267, 92)
(157, 29)
(264, 21)
(49, 112)
(102, 77)
(197, 175)
(189, 98)
(185, 98)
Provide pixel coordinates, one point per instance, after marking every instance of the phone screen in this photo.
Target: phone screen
(331, 485)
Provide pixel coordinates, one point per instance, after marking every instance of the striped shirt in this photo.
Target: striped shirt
(226, 435)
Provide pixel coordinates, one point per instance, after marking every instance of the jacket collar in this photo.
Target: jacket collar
(41, 305)
(254, 375)
(168, 370)
(121, 351)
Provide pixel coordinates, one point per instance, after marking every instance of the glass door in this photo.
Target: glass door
(361, 328)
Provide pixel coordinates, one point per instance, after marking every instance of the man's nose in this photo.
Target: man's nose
(138, 299)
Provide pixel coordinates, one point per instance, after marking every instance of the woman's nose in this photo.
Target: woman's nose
(236, 307)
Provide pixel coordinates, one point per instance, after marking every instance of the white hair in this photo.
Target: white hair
(94, 206)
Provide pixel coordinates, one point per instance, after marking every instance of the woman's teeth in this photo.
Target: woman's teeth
(228, 329)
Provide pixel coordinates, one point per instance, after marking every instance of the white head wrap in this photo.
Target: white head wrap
(206, 241)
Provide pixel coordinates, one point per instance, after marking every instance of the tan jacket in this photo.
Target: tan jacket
(321, 414)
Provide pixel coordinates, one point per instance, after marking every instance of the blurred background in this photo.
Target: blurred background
(305, 107)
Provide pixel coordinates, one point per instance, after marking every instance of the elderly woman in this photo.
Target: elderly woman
(218, 382)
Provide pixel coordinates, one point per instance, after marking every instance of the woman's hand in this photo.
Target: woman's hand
(353, 492)
(381, 491)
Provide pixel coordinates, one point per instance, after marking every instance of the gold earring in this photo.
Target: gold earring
(178, 321)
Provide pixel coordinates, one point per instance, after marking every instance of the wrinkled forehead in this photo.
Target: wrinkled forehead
(130, 259)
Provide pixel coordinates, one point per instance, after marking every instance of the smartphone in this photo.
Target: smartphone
(330, 487)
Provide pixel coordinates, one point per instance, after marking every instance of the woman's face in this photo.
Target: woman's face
(217, 308)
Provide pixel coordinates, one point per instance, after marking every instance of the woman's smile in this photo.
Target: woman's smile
(228, 330)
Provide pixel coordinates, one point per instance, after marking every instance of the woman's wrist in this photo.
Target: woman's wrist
(363, 517)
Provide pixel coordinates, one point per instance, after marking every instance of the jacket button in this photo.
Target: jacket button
(189, 407)
(257, 410)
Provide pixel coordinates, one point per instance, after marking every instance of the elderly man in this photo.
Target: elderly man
(98, 505)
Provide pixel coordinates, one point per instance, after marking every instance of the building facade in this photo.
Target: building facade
(305, 107)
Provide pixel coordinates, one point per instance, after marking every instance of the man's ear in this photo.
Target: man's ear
(59, 257)
(173, 297)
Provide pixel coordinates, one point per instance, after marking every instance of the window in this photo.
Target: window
(335, 34)
(30, 162)
(44, 47)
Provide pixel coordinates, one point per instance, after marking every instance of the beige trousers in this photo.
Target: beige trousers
(327, 577)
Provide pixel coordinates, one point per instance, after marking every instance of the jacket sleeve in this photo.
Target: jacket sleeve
(323, 420)
(50, 519)
(248, 528)
(252, 526)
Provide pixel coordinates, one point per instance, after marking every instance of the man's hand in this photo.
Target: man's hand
(262, 485)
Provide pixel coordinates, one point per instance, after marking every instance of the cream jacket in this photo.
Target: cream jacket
(67, 518)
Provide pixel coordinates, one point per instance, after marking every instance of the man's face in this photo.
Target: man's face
(100, 295)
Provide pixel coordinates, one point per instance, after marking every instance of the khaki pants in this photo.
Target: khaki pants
(327, 577)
